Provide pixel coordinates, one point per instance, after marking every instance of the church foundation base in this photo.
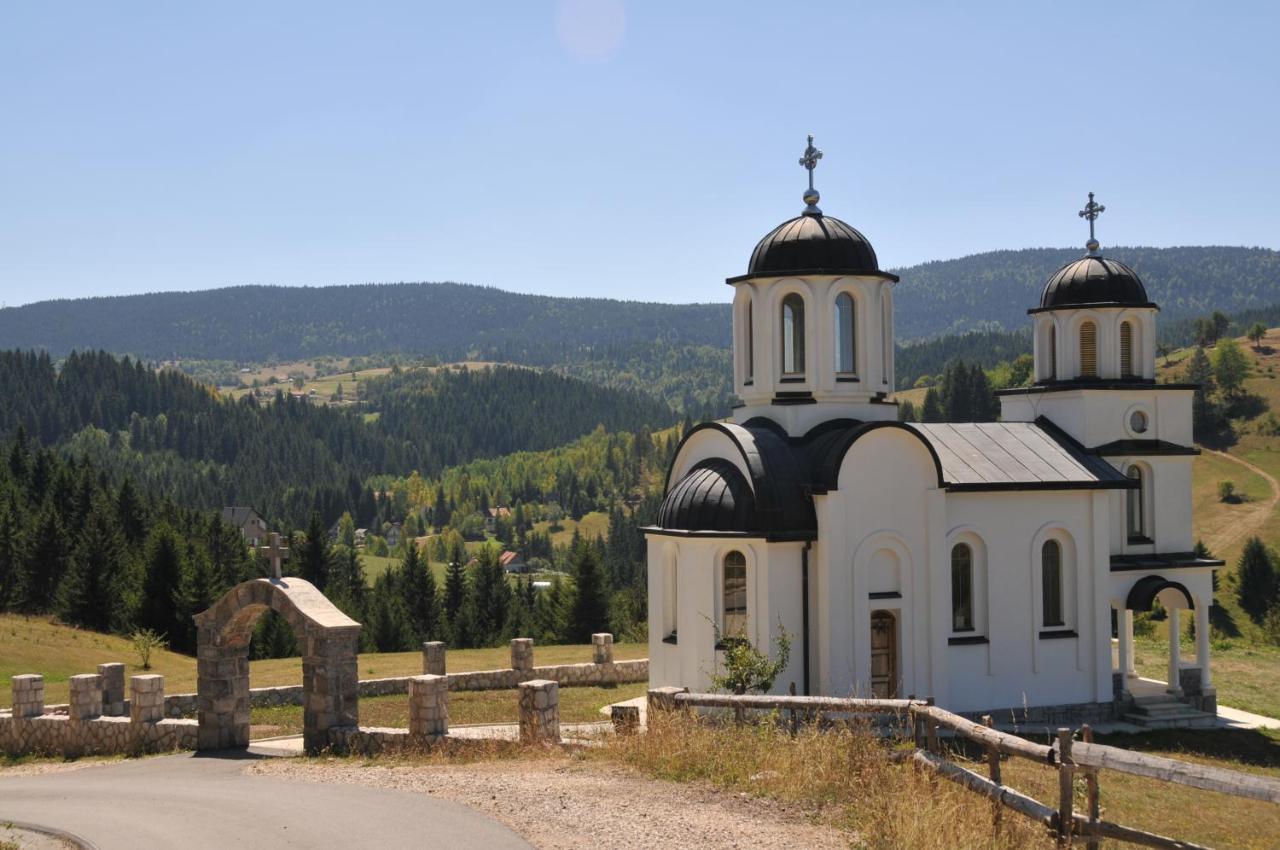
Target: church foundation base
(1050, 716)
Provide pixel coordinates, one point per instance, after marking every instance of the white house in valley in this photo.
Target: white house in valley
(993, 566)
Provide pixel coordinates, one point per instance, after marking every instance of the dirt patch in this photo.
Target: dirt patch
(561, 804)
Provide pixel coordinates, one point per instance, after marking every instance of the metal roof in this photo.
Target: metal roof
(1094, 281)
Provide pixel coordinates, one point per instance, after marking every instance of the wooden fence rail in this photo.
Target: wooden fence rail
(1170, 770)
(784, 703)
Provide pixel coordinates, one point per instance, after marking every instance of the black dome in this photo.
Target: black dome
(714, 496)
(1094, 280)
(811, 243)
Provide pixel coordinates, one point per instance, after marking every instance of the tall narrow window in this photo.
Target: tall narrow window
(1053, 352)
(733, 623)
(886, 335)
(1126, 349)
(1051, 582)
(962, 588)
(750, 369)
(793, 335)
(845, 362)
(1088, 350)
(1137, 531)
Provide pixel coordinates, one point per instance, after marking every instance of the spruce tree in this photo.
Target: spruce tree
(12, 559)
(47, 561)
(93, 591)
(455, 591)
(488, 602)
(1257, 579)
(418, 589)
(906, 412)
(1203, 414)
(313, 558)
(161, 605)
(932, 409)
(590, 611)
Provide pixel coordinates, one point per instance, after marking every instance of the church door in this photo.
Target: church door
(884, 655)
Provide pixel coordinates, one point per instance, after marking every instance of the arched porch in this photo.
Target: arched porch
(1186, 681)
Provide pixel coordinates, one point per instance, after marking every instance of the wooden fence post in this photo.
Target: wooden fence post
(1066, 813)
(1091, 781)
(794, 724)
(993, 765)
(932, 726)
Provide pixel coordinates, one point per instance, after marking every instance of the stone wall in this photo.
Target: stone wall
(85, 729)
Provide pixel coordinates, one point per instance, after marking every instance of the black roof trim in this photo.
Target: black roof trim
(1018, 486)
(743, 278)
(1163, 561)
(770, 537)
(1090, 384)
(1143, 448)
(1145, 590)
(1095, 305)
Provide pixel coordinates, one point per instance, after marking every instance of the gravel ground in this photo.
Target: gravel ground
(559, 804)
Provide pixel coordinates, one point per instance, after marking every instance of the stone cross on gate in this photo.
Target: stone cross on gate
(276, 553)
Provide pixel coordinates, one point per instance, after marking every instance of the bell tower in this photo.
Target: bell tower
(813, 323)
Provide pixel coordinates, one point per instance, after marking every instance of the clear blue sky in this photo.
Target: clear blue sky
(627, 149)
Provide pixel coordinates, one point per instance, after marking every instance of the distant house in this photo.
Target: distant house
(512, 562)
(361, 533)
(491, 517)
(253, 528)
(393, 535)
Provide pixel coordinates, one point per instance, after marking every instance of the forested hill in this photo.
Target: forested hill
(994, 289)
(456, 321)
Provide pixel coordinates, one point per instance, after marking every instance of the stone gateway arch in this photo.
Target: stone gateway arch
(328, 639)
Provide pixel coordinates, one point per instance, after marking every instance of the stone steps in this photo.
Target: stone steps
(1163, 711)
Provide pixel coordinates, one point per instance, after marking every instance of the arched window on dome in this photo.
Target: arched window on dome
(1053, 352)
(733, 596)
(1088, 349)
(846, 359)
(1126, 349)
(793, 335)
(962, 588)
(1051, 583)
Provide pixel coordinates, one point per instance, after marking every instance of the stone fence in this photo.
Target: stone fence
(96, 722)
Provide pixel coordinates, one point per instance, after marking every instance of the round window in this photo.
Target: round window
(1138, 422)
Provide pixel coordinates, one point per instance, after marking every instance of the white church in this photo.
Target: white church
(993, 566)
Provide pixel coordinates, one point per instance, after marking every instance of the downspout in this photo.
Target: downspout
(804, 619)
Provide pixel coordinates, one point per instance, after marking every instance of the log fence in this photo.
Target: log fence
(1066, 755)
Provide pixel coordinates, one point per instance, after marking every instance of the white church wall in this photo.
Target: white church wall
(707, 444)
(1167, 508)
(1097, 416)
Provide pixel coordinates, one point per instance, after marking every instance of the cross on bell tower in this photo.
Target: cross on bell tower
(810, 162)
(1091, 211)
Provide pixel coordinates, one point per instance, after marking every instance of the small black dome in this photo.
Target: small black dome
(714, 496)
(812, 244)
(1094, 280)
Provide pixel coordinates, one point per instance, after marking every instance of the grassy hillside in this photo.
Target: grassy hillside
(38, 645)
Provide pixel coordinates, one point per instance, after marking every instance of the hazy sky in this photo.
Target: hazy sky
(634, 150)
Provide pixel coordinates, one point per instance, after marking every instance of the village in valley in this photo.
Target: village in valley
(877, 527)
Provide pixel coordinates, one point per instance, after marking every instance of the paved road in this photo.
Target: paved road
(207, 802)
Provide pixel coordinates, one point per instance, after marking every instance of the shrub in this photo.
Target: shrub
(146, 641)
(1227, 491)
(747, 668)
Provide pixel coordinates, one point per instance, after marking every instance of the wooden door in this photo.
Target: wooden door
(884, 655)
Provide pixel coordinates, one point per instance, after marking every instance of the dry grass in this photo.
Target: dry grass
(843, 776)
(39, 645)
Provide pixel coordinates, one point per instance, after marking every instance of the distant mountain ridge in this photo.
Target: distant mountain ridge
(453, 321)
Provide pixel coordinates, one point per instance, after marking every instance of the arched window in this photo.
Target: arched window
(750, 370)
(733, 620)
(1053, 352)
(1137, 528)
(886, 335)
(1088, 350)
(962, 588)
(793, 335)
(1126, 349)
(846, 362)
(1051, 583)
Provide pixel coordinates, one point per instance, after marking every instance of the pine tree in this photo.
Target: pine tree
(161, 605)
(488, 602)
(12, 559)
(93, 591)
(590, 611)
(313, 559)
(1230, 366)
(418, 589)
(932, 410)
(1256, 579)
(1203, 413)
(47, 561)
(455, 591)
(130, 512)
(906, 412)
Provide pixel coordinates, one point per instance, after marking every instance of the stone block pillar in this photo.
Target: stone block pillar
(112, 689)
(433, 658)
(222, 681)
(626, 718)
(539, 711)
(602, 648)
(86, 697)
(522, 654)
(428, 707)
(146, 703)
(330, 682)
(663, 699)
(28, 696)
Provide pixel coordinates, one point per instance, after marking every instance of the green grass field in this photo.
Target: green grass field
(37, 645)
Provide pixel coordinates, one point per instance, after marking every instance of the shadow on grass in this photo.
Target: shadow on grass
(1223, 622)
(1256, 747)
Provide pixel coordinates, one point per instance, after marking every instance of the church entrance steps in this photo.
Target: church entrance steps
(1164, 711)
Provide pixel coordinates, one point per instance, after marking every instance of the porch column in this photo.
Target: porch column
(1126, 632)
(1126, 649)
(1202, 642)
(1174, 682)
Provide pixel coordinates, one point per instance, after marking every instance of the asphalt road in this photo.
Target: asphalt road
(195, 802)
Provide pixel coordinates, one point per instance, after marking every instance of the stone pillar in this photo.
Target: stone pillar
(112, 689)
(1126, 649)
(28, 696)
(663, 699)
(1174, 682)
(86, 697)
(433, 658)
(602, 648)
(522, 654)
(146, 699)
(539, 711)
(331, 683)
(428, 706)
(222, 682)
(626, 718)
(1202, 642)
